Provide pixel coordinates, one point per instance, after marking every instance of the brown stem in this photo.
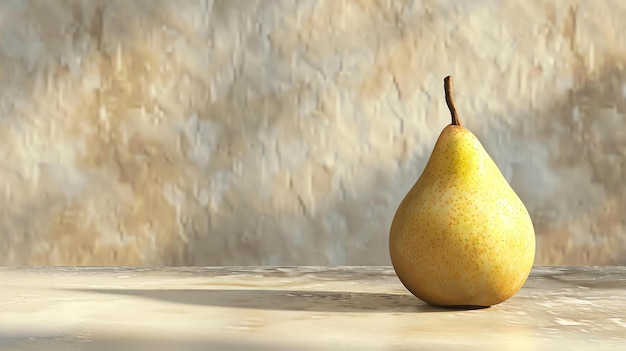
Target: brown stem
(447, 87)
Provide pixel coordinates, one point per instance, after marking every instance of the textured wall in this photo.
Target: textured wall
(287, 132)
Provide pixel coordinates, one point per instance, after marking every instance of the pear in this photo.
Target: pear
(461, 237)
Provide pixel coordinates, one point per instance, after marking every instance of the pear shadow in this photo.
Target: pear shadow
(34, 340)
(462, 307)
(286, 300)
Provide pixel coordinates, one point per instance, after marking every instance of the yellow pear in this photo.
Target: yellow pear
(461, 236)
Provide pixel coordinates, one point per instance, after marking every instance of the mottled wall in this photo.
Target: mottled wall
(286, 132)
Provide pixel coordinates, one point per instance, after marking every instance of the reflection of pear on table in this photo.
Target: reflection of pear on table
(461, 236)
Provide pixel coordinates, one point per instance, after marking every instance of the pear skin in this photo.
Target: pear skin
(461, 236)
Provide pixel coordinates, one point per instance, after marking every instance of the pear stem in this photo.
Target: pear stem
(447, 87)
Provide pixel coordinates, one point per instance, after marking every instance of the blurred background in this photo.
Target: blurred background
(287, 132)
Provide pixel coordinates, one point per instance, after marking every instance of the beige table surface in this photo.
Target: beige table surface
(303, 308)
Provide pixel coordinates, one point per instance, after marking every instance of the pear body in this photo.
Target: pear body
(462, 236)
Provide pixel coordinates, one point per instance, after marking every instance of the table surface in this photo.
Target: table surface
(298, 308)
